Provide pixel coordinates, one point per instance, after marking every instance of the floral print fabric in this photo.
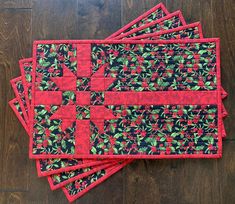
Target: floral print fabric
(79, 185)
(141, 67)
(170, 23)
(168, 129)
(165, 67)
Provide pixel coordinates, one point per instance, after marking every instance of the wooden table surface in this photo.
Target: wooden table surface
(144, 181)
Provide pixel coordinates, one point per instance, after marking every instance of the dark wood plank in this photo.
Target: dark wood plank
(15, 35)
(110, 191)
(226, 169)
(55, 19)
(172, 181)
(19, 4)
(98, 18)
(189, 9)
(223, 27)
(11, 197)
(194, 11)
(39, 190)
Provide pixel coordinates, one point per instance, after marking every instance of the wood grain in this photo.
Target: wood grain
(19, 4)
(54, 19)
(143, 181)
(98, 18)
(15, 35)
(224, 27)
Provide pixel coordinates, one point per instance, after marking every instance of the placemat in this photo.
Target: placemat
(170, 21)
(203, 50)
(157, 12)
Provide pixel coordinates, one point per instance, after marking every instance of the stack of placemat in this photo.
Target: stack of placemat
(151, 90)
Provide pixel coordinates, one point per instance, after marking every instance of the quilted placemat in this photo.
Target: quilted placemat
(42, 165)
(28, 78)
(170, 21)
(190, 35)
(113, 104)
(155, 13)
(190, 31)
(49, 166)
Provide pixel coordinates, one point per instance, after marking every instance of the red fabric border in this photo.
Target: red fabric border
(149, 35)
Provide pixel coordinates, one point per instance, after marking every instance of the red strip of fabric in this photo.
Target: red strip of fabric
(161, 97)
(48, 98)
(82, 137)
(84, 60)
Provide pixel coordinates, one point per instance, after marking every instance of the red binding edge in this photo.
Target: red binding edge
(149, 35)
(220, 117)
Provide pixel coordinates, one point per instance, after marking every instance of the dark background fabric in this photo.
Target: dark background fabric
(144, 181)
